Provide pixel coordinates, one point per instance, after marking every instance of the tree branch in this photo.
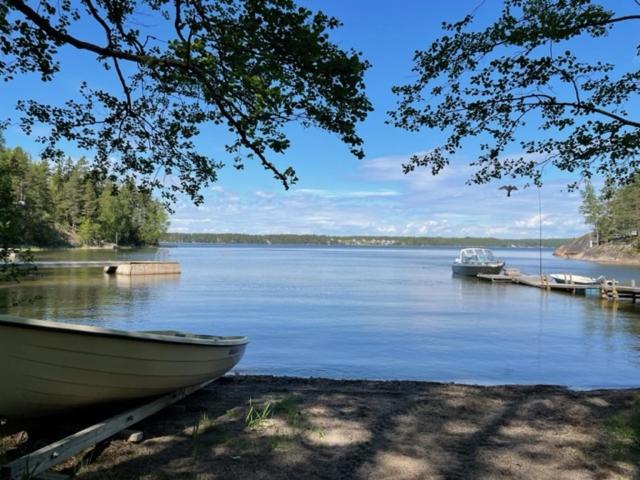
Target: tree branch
(63, 37)
(582, 106)
(111, 43)
(110, 51)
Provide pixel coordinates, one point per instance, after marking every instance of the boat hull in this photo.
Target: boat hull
(47, 367)
(473, 270)
(572, 279)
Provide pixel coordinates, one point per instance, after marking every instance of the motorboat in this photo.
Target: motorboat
(49, 367)
(472, 261)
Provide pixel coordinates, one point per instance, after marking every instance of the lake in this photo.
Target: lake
(377, 313)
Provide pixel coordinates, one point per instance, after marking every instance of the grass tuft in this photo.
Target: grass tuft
(202, 423)
(256, 416)
(623, 432)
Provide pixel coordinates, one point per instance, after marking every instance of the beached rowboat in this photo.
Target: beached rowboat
(48, 367)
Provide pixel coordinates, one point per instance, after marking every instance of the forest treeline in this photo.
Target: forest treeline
(614, 213)
(176, 237)
(68, 204)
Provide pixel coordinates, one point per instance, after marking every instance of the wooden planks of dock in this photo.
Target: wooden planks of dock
(117, 267)
(621, 292)
(74, 264)
(607, 290)
(145, 268)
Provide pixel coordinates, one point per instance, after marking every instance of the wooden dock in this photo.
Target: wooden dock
(119, 267)
(622, 292)
(496, 278)
(144, 268)
(607, 290)
(74, 264)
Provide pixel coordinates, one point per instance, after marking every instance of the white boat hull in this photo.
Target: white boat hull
(573, 279)
(471, 270)
(48, 367)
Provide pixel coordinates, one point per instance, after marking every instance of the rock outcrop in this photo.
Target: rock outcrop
(584, 248)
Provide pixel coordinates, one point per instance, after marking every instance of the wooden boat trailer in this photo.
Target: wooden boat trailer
(35, 464)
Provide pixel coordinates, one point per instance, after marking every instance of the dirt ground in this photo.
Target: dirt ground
(248, 427)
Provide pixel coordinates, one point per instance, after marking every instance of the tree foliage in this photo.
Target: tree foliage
(46, 207)
(9, 218)
(251, 66)
(615, 213)
(521, 70)
(593, 210)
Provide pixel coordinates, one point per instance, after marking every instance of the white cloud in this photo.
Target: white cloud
(534, 221)
(317, 192)
(385, 201)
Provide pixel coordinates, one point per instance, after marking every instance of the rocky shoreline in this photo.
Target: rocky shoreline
(583, 248)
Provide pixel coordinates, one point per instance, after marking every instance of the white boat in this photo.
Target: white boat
(49, 367)
(574, 279)
(472, 261)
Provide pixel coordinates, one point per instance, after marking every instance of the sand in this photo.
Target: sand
(333, 429)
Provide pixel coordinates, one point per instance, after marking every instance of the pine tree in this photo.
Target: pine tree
(592, 209)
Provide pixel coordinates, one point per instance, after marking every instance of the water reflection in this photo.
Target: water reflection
(143, 281)
(362, 313)
(83, 294)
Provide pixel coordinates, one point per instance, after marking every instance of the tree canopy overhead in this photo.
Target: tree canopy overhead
(251, 66)
(522, 70)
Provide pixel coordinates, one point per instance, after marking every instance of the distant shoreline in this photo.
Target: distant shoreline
(355, 240)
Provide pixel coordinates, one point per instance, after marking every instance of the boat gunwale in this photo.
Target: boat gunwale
(74, 328)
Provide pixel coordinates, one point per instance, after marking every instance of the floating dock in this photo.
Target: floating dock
(116, 267)
(607, 290)
(71, 264)
(143, 268)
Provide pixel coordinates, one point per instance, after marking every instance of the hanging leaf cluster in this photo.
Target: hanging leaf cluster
(519, 86)
(250, 67)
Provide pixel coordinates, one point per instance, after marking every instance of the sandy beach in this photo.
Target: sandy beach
(261, 427)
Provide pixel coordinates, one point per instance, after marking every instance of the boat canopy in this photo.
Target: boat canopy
(476, 255)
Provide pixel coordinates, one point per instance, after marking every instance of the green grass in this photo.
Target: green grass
(623, 432)
(289, 408)
(256, 416)
(200, 426)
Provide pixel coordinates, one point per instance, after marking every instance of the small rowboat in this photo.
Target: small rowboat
(48, 367)
(574, 279)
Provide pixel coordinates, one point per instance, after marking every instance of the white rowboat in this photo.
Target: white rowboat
(573, 279)
(48, 367)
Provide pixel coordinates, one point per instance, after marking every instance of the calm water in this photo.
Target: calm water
(359, 313)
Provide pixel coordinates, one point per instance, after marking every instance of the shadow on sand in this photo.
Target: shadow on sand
(326, 429)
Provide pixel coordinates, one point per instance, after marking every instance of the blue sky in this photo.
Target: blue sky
(338, 194)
